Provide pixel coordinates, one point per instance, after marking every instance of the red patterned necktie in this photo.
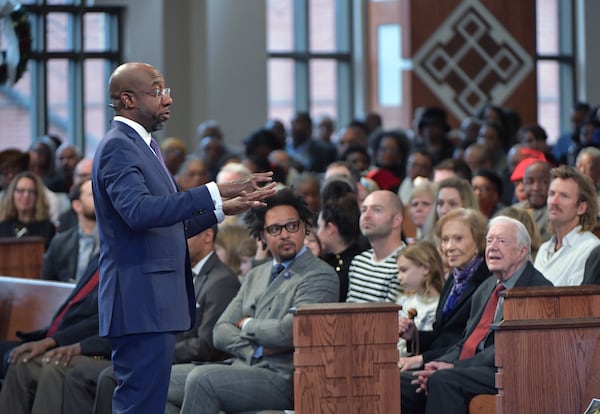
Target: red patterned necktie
(483, 327)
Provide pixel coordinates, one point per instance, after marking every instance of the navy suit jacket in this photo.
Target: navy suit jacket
(145, 275)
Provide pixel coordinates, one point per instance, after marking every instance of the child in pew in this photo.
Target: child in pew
(420, 272)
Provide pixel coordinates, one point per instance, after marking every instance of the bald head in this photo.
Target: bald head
(137, 92)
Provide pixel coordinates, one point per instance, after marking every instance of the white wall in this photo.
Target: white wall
(212, 54)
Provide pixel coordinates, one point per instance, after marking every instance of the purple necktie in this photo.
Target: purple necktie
(156, 149)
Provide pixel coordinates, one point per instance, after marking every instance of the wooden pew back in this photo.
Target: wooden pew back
(27, 304)
(345, 358)
(22, 257)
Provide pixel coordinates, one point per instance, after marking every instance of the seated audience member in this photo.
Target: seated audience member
(588, 163)
(75, 320)
(283, 170)
(572, 212)
(12, 162)
(447, 384)
(260, 143)
(174, 152)
(487, 187)
(452, 168)
(495, 137)
(462, 241)
(308, 154)
(278, 129)
(421, 209)
(83, 171)
(353, 135)
(479, 156)
(533, 136)
(325, 127)
(229, 237)
(42, 161)
(70, 251)
(339, 232)
(420, 273)
(420, 164)
(193, 173)
(432, 133)
(373, 274)
(524, 217)
(312, 242)
(308, 186)
(454, 193)
(256, 327)
(246, 251)
(358, 156)
(536, 181)
(67, 157)
(24, 209)
(390, 152)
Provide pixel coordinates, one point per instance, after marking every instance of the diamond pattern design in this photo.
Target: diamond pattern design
(471, 60)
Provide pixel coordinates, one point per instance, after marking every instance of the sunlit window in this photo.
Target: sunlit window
(63, 92)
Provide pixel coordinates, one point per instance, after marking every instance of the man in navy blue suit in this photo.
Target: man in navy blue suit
(146, 293)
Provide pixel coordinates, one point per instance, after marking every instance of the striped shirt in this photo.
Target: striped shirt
(372, 281)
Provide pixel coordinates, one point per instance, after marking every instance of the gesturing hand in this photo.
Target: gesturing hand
(250, 184)
(245, 201)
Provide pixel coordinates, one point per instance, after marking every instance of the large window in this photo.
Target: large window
(309, 43)
(555, 63)
(63, 92)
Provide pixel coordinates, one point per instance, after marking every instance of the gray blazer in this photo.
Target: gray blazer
(307, 280)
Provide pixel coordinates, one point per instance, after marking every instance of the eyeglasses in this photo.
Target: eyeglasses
(275, 229)
(157, 93)
(21, 191)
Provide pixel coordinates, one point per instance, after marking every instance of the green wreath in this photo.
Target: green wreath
(22, 28)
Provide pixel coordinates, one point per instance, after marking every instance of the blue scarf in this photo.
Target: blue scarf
(462, 277)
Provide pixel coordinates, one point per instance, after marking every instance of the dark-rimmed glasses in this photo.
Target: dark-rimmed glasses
(275, 229)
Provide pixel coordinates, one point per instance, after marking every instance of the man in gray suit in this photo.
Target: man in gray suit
(256, 327)
(468, 368)
(69, 252)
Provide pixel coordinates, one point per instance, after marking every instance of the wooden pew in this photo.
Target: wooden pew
(27, 304)
(548, 350)
(22, 257)
(345, 358)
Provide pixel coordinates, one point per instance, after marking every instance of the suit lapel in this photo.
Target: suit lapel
(149, 157)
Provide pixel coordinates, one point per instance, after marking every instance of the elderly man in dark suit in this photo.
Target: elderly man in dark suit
(468, 368)
(256, 327)
(146, 290)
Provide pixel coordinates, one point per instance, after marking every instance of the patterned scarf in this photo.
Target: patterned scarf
(461, 281)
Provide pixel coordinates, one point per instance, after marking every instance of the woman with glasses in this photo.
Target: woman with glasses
(24, 209)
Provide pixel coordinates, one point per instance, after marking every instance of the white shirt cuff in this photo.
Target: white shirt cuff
(217, 200)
